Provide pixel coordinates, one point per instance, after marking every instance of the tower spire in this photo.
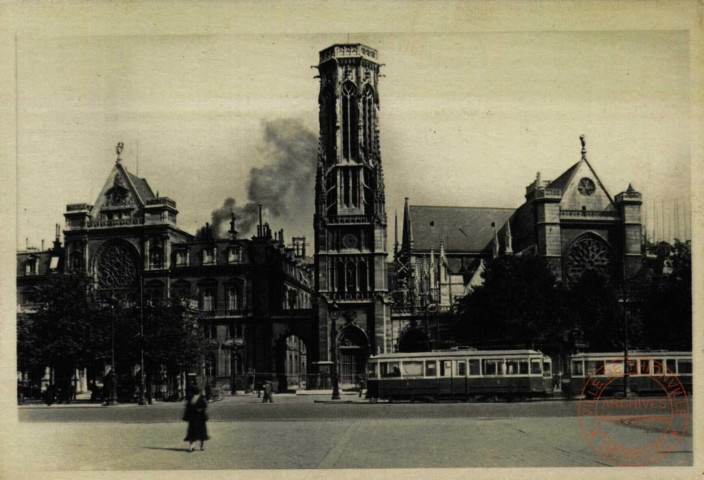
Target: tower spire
(509, 240)
(495, 245)
(584, 147)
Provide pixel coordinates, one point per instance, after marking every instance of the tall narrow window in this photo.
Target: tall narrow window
(208, 300)
(363, 284)
(351, 275)
(368, 118)
(328, 122)
(340, 267)
(355, 187)
(349, 121)
(346, 174)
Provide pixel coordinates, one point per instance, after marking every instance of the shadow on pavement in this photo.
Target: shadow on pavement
(168, 449)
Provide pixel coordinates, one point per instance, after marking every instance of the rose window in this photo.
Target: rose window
(116, 267)
(588, 254)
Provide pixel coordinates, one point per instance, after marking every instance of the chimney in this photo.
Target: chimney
(303, 247)
(42, 244)
(260, 229)
(281, 237)
(57, 240)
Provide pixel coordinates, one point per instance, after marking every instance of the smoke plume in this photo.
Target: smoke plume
(284, 185)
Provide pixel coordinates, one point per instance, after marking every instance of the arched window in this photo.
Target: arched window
(328, 121)
(351, 274)
(340, 267)
(349, 121)
(233, 299)
(155, 257)
(368, 119)
(208, 299)
(76, 261)
(181, 289)
(154, 289)
(363, 284)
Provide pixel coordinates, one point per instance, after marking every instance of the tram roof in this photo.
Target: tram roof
(456, 353)
(632, 353)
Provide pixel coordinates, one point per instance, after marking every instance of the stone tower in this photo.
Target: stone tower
(350, 215)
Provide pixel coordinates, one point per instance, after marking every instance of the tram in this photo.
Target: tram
(459, 374)
(641, 366)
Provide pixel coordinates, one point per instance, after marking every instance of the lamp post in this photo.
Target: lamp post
(112, 395)
(141, 400)
(334, 310)
(624, 312)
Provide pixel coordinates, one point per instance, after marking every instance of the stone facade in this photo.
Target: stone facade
(350, 214)
(252, 296)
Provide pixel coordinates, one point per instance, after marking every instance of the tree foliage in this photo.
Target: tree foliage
(68, 331)
(519, 305)
(666, 303)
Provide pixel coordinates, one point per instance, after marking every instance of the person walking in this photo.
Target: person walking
(196, 416)
(268, 393)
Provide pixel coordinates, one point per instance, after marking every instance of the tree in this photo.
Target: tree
(519, 305)
(666, 304)
(173, 338)
(67, 332)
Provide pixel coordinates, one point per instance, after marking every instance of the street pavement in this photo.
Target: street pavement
(296, 432)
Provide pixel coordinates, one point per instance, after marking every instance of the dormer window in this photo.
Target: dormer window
(182, 258)
(209, 256)
(234, 255)
(30, 266)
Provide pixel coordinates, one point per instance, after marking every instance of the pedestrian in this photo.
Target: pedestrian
(362, 383)
(196, 416)
(268, 393)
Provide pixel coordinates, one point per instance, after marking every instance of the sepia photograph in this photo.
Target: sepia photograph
(313, 239)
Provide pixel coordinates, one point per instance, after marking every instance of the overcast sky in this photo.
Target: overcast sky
(466, 119)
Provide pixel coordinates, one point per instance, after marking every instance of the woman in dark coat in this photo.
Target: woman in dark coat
(196, 417)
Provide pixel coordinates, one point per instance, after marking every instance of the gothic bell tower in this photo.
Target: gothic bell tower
(350, 214)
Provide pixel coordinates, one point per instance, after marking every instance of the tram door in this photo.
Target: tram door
(445, 386)
(459, 378)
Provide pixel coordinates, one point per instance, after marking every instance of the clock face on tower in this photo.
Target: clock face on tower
(586, 186)
(350, 241)
(118, 197)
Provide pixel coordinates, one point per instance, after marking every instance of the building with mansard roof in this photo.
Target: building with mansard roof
(573, 222)
(252, 296)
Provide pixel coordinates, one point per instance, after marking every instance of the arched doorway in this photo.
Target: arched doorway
(413, 340)
(353, 351)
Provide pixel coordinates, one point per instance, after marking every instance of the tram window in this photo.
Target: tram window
(535, 366)
(593, 366)
(501, 367)
(511, 367)
(632, 366)
(684, 366)
(489, 367)
(430, 368)
(412, 369)
(473, 367)
(523, 367)
(658, 366)
(390, 369)
(446, 368)
(546, 368)
(645, 367)
(371, 370)
(671, 367)
(461, 368)
(577, 368)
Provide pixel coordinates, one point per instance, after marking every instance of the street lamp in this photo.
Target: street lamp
(112, 394)
(334, 310)
(141, 400)
(624, 312)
